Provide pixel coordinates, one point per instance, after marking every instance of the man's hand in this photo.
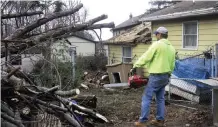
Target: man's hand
(133, 70)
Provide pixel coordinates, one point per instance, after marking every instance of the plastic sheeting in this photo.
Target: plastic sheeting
(191, 70)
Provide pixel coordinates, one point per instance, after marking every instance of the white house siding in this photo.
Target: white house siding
(27, 63)
(83, 47)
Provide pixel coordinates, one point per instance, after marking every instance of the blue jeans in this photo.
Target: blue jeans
(156, 85)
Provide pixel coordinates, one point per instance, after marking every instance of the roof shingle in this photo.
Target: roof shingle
(176, 11)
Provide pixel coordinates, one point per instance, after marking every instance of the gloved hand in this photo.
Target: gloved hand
(133, 70)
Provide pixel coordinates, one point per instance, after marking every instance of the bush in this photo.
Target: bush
(92, 63)
(46, 74)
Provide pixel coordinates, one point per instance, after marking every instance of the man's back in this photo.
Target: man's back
(164, 58)
(159, 58)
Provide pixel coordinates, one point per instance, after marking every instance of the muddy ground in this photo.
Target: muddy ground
(122, 108)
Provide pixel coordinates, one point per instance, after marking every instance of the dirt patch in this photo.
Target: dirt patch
(122, 108)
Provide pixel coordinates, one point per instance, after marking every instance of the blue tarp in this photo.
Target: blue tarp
(192, 69)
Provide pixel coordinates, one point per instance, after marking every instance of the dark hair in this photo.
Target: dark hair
(164, 36)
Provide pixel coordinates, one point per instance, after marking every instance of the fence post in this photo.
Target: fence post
(216, 60)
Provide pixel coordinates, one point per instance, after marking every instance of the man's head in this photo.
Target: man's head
(161, 32)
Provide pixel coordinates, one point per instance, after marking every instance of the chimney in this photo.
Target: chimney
(130, 15)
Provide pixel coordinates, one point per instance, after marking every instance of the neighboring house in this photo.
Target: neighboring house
(192, 26)
(126, 25)
(26, 60)
(84, 46)
(60, 49)
(126, 48)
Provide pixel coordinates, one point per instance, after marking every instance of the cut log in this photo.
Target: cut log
(68, 93)
(21, 74)
(8, 16)
(21, 31)
(86, 100)
(14, 81)
(62, 93)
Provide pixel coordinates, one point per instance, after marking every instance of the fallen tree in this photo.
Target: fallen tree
(21, 97)
(8, 16)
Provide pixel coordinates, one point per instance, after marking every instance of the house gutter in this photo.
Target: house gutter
(177, 15)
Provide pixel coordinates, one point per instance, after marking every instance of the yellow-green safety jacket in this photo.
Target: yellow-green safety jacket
(159, 58)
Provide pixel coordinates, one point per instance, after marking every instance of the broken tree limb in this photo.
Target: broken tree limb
(99, 26)
(72, 28)
(21, 31)
(12, 72)
(16, 15)
(7, 124)
(53, 106)
(87, 111)
(68, 93)
(5, 108)
(59, 33)
(13, 81)
(11, 120)
(21, 74)
(62, 93)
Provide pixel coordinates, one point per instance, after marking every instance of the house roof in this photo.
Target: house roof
(138, 34)
(74, 35)
(184, 9)
(130, 22)
(84, 38)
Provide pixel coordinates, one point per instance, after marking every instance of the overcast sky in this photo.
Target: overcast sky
(117, 11)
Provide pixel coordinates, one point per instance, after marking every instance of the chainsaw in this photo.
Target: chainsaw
(136, 81)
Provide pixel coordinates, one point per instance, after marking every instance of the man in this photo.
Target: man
(159, 59)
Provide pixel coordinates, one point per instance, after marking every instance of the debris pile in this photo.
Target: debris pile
(94, 79)
(21, 101)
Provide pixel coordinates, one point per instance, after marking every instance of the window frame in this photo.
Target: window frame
(123, 54)
(189, 48)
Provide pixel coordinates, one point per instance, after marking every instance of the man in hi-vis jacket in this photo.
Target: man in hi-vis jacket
(159, 59)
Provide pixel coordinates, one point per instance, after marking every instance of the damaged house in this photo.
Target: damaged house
(131, 39)
(193, 31)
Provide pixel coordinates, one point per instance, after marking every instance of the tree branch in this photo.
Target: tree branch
(11, 120)
(8, 16)
(21, 31)
(72, 28)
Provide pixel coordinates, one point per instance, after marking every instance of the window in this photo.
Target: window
(190, 35)
(127, 54)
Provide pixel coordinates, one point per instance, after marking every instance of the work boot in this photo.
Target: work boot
(140, 124)
(158, 123)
